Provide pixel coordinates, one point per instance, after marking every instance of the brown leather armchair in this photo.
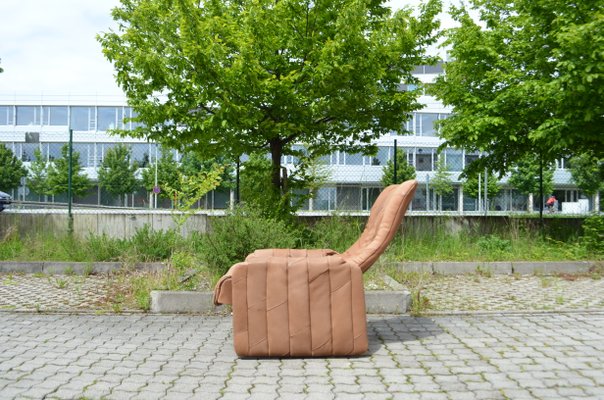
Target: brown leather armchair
(300, 303)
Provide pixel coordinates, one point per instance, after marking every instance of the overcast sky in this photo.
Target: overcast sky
(50, 46)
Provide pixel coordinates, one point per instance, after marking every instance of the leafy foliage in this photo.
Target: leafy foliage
(442, 182)
(593, 233)
(471, 186)
(189, 189)
(526, 176)
(256, 190)
(58, 174)
(167, 173)
(528, 79)
(37, 179)
(117, 173)
(241, 232)
(404, 170)
(587, 172)
(255, 77)
(11, 170)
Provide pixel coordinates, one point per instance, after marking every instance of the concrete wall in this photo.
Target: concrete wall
(124, 224)
(115, 225)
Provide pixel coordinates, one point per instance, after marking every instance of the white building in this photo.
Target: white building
(28, 122)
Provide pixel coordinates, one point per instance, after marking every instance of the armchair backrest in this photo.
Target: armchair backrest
(384, 220)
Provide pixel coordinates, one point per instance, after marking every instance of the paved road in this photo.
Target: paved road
(502, 356)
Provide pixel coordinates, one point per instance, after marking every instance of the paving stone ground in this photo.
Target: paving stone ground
(101, 293)
(496, 356)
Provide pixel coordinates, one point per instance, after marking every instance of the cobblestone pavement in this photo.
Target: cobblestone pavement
(501, 356)
(70, 293)
(27, 292)
(513, 293)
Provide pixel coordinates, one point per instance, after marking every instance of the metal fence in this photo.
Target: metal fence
(353, 181)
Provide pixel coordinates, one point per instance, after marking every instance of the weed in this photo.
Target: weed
(88, 269)
(546, 281)
(483, 271)
(69, 271)
(9, 280)
(419, 303)
(61, 283)
(560, 300)
(39, 275)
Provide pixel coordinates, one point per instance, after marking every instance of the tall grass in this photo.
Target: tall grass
(236, 235)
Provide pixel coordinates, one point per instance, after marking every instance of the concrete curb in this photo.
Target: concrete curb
(77, 268)
(443, 267)
(183, 302)
(498, 267)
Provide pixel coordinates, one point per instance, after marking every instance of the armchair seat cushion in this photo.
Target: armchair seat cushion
(298, 306)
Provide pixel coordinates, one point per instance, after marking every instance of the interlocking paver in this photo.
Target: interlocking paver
(453, 357)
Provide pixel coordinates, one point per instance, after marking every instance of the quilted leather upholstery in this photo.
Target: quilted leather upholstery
(298, 306)
(292, 302)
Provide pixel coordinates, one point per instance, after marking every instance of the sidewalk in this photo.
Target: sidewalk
(547, 356)
(450, 293)
(483, 337)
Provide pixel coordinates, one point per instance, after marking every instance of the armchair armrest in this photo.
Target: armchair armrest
(264, 253)
(297, 306)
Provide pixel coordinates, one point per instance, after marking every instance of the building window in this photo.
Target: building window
(348, 197)
(6, 115)
(454, 160)
(427, 121)
(106, 118)
(325, 198)
(54, 115)
(423, 160)
(28, 115)
(354, 159)
(82, 118)
(370, 194)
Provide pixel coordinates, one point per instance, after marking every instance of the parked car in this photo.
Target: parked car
(4, 200)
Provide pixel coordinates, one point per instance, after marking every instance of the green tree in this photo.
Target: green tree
(192, 163)
(441, 183)
(11, 169)
(255, 77)
(528, 79)
(404, 170)
(525, 177)
(255, 179)
(471, 186)
(168, 174)
(117, 173)
(58, 175)
(586, 172)
(37, 179)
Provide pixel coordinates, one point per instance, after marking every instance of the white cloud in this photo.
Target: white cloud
(51, 46)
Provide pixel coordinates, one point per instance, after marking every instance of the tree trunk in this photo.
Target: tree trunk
(276, 153)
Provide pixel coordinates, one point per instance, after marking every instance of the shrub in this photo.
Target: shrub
(240, 232)
(150, 245)
(593, 234)
(493, 244)
(336, 232)
(104, 248)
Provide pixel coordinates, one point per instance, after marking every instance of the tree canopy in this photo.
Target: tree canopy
(11, 169)
(58, 174)
(226, 78)
(404, 170)
(526, 177)
(37, 178)
(526, 79)
(587, 173)
(117, 173)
